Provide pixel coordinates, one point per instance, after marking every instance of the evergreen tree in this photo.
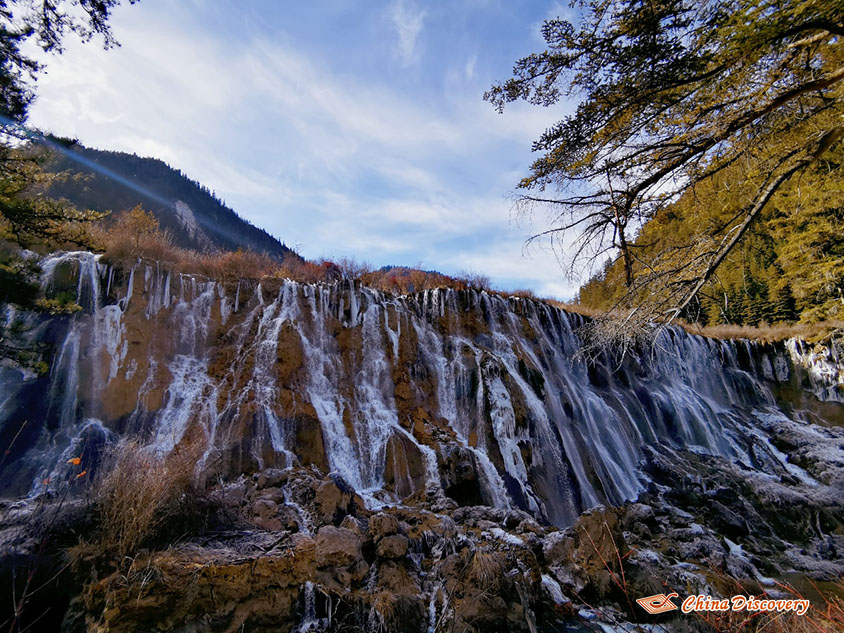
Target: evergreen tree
(783, 308)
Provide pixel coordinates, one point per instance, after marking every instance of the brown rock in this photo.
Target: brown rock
(394, 546)
(404, 466)
(351, 523)
(359, 570)
(230, 496)
(382, 524)
(558, 548)
(335, 499)
(270, 525)
(270, 478)
(337, 547)
(309, 446)
(273, 494)
(599, 536)
(289, 518)
(394, 578)
(265, 508)
(529, 526)
(302, 543)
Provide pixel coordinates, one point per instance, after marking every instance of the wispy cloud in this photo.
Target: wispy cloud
(407, 20)
(339, 162)
(470, 67)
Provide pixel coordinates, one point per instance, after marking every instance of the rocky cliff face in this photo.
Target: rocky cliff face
(463, 416)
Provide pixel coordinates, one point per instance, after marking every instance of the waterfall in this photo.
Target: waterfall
(461, 390)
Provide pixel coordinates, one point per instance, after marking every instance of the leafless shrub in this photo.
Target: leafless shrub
(485, 569)
(613, 336)
(352, 268)
(139, 491)
(475, 280)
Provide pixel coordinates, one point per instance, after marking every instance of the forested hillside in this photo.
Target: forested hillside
(705, 153)
(789, 267)
(116, 181)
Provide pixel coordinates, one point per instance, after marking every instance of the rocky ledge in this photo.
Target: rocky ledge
(296, 550)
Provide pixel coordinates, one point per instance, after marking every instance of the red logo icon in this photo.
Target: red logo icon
(659, 603)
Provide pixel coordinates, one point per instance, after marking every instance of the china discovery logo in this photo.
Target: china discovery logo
(660, 603)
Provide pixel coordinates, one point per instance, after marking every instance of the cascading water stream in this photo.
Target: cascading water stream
(392, 393)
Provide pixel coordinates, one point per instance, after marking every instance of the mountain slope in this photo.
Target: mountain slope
(116, 181)
(789, 266)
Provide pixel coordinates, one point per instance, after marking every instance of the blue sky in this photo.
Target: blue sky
(346, 129)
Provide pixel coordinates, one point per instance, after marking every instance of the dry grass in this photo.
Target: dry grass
(825, 615)
(384, 609)
(138, 492)
(811, 332)
(576, 308)
(485, 569)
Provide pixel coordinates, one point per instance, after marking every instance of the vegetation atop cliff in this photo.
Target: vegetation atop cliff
(138, 234)
(704, 154)
(789, 267)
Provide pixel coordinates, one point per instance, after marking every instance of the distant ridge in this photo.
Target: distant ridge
(196, 218)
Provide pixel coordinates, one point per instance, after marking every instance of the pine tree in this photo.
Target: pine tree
(783, 305)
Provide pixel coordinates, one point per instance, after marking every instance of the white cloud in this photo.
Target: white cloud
(513, 268)
(341, 164)
(469, 71)
(407, 21)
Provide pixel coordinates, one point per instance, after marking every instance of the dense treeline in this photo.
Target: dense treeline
(789, 267)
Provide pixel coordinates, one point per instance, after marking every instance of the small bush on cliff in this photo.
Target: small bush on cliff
(135, 233)
(139, 493)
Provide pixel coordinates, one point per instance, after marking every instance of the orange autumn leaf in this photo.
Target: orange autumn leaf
(82, 474)
(75, 461)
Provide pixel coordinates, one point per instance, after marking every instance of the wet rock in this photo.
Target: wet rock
(639, 515)
(265, 508)
(529, 526)
(335, 499)
(514, 517)
(266, 515)
(473, 515)
(352, 524)
(459, 475)
(289, 518)
(359, 570)
(337, 547)
(404, 466)
(382, 525)
(269, 477)
(558, 548)
(231, 495)
(391, 547)
(394, 577)
(728, 522)
(483, 524)
(309, 444)
(272, 493)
